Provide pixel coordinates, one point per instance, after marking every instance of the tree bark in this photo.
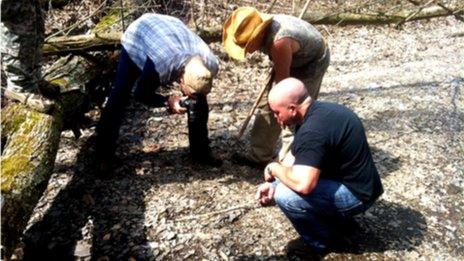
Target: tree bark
(30, 141)
(111, 40)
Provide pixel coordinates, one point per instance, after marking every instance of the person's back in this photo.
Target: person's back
(168, 42)
(312, 45)
(333, 139)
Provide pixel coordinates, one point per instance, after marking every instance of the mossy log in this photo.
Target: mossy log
(30, 141)
(111, 39)
(91, 42)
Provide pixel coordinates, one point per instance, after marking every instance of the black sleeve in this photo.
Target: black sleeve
(309, 148)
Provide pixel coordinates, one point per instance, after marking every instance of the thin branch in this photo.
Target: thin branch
(192, 13)
(69, 28)
(304, 9)
(451, 12)
(455, 13)
(268, 10)
(122, 16)
(412, 15)
(217, 212)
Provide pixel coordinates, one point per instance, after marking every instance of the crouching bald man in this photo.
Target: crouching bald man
(332, 176)
(158, 50)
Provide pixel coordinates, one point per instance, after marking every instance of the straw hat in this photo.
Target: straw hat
(243, 28)
(197, 77)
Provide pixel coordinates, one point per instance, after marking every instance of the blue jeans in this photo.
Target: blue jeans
(316, 216)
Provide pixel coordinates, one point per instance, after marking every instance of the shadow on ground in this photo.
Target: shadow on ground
(386, 227)
(98, 205)
(111, 210)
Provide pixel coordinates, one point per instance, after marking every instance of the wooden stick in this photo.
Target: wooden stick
(122, 16)
(217, 212)
(255, 105)
(268, 10)
(304, 9)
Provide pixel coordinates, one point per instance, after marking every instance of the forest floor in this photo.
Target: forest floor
(406, 86)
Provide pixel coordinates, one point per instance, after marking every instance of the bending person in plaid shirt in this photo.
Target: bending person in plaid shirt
(158, 50)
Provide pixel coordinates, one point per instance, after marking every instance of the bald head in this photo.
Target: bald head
(289, 101)
(288, 91)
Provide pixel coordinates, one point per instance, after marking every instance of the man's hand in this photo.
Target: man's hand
(269, 176)
(265, 194)
(174, 106)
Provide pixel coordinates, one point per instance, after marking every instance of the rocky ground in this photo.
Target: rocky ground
(406, 85)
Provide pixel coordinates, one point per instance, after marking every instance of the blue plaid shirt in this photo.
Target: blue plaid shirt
(168, 42)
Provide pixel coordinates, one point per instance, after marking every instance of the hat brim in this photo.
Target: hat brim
(236, 51)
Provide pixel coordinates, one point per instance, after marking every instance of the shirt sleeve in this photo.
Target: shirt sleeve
(309, 149)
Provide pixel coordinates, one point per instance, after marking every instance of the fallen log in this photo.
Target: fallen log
(376, 18)
(110, 40)
(30, 139)
(30, 144)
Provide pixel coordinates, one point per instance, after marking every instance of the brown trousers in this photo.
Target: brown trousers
(266, 131)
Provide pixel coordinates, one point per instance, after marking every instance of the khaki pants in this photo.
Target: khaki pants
(265, 131)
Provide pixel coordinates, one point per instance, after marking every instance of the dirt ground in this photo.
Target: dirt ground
(406, 86)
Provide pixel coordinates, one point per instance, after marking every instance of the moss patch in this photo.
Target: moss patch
(107, 21)
(12, 118)
(10, 166)
(60, 82)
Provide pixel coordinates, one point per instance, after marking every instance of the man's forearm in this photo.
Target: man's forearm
(300, 181)
(284, 174)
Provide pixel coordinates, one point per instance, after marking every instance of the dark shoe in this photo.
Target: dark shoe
(347, 226)
(102, 168)
(32, 100)
(242, 159)
(209, 160)
(297, 248)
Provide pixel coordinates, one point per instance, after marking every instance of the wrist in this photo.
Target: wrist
(271, 168)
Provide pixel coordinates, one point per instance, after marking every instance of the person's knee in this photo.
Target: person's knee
(284, 196)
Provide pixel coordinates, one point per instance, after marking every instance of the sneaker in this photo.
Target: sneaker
(298, 249)
(32, 100)
(243, 159)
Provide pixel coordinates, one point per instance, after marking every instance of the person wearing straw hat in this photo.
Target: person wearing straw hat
(159, 50)
(296, 49)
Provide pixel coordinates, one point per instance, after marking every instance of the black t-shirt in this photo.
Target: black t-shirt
(332, 139)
